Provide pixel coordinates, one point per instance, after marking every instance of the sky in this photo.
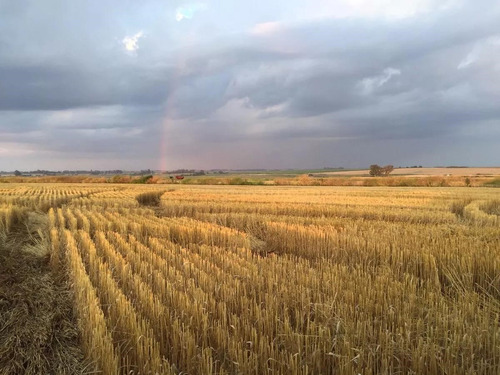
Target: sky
(229, 84)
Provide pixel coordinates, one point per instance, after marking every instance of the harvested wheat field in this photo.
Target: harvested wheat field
(250, 280)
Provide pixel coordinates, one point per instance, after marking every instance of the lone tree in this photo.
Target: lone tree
(377, 170)
(387, 169)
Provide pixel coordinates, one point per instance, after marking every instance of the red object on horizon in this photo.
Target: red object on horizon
(179, 177)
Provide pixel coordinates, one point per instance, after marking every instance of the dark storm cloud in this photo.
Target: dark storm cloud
(53, 87)
(120, 83)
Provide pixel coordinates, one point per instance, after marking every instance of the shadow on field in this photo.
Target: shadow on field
(38, 332)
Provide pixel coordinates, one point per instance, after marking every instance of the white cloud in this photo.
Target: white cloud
(368, 85)
(391, 9)
(471, 58)
(480, 49)
(15, 149)
(107, 116)
(266, 28)
(131, 43)
(186, 12)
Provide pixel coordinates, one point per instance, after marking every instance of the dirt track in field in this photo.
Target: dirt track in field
(38, 331)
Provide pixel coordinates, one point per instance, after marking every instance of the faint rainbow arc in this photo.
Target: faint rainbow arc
(166, 119)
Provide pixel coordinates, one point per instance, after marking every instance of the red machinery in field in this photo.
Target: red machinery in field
(179, 177)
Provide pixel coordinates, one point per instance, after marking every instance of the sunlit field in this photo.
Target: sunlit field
(258, 280)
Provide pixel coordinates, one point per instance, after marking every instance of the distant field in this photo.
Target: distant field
(205, 280)
(426, 172)
(414, 177)
(272, 173)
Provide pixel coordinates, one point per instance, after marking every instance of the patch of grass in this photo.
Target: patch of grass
(491, 207)
(458, 207)
(142, 180)
(244, 181)
(493, 183)
(150, 198)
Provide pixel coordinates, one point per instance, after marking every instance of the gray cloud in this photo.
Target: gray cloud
(273, 87)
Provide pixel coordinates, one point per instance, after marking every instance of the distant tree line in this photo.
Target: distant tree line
(42, 172)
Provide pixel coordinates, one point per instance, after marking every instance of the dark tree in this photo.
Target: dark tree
(377, 170)
(387, 169)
